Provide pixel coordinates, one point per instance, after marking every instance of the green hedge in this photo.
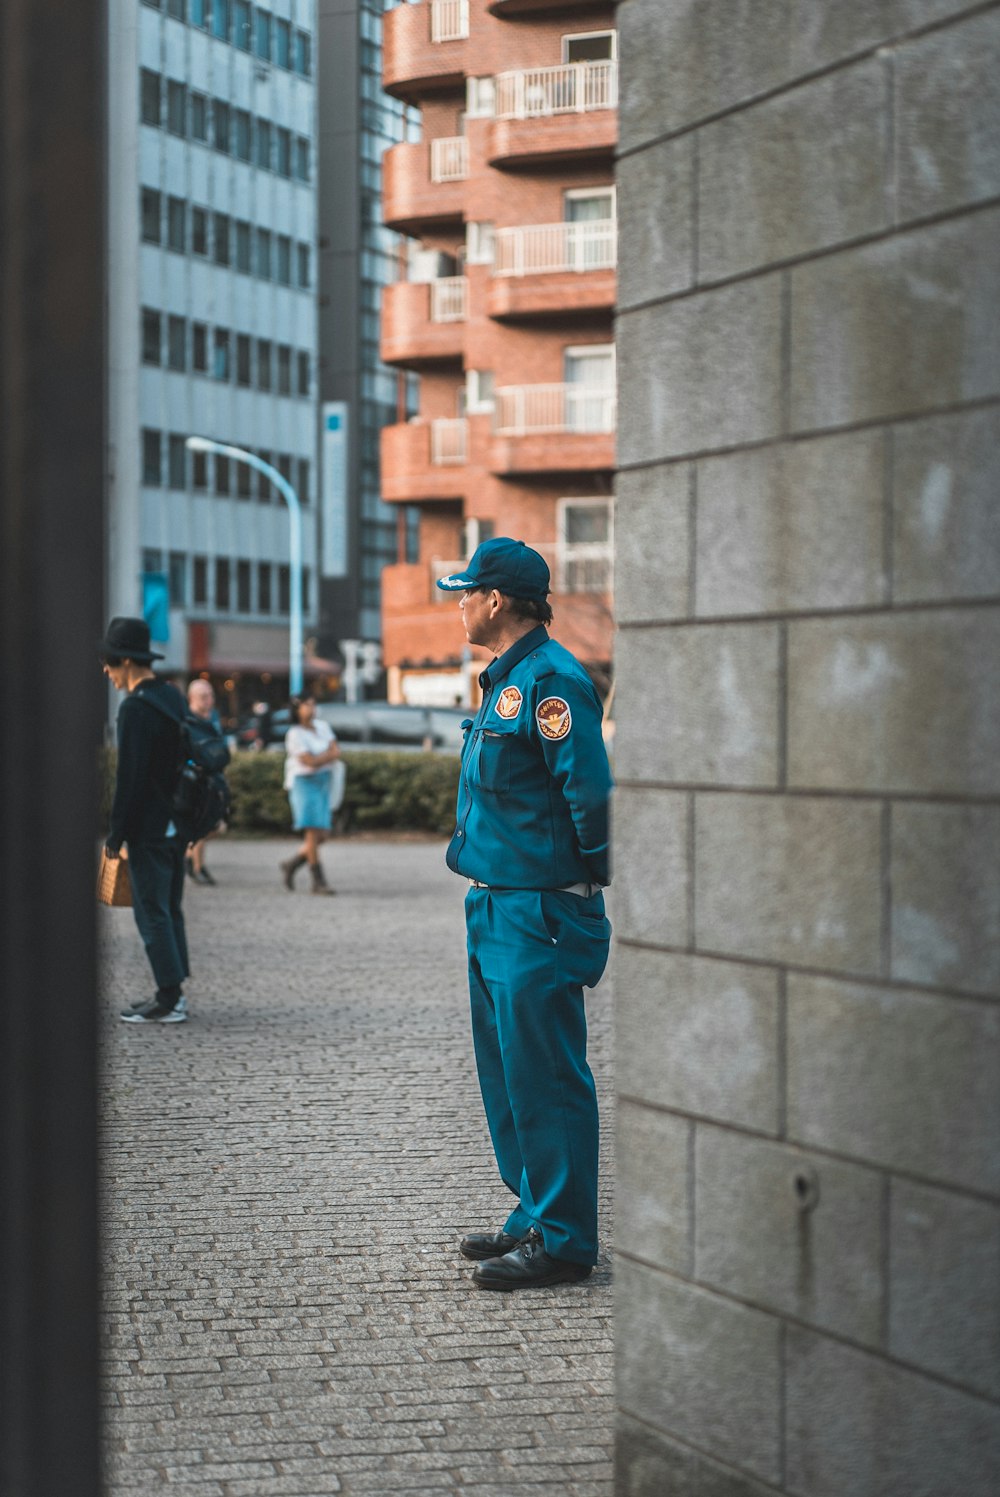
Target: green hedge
(398, 791)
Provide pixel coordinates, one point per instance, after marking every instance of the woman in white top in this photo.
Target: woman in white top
(310, 749)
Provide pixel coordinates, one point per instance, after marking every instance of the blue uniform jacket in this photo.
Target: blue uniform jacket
(533, 797)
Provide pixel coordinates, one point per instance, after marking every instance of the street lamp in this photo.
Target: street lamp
(205, 444)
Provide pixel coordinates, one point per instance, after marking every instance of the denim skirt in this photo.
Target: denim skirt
(309, 797)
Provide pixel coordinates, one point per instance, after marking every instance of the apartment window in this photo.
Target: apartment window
(243, 247)
(283, 44)
(220, 19)
(242, 360)
(199, 470)
(242, 134)
(283, 139)
(221, 238)
(199, 116)
(284, 260)
(199, 347)
(222, 476)
(176, 108)
(177, 462)
(201, 12)
(262, 34)
(584, 545)
(177, 9)
(480, 98)
(199, 231)
(479, 243)
(150, 214)
(303, 265)
(221, 583)
(242, 587)
(283, 463)
(177, 578)
(263, 482)
(152, 336)
(302, 362)
(284, 369)
(411, 533)
(220, 126)
(151, 457)
(149, 97)
(243, 487)
(263, 143)
(199, 580)
(478, 392)
(264, 254)
(220, 361)
(241, 25)
(177, 224)
(302, 484)
(303, 53)
(284, 589)
(176, 344)
(152, 560)
(263, 587)
(590, 46)
(590, 376)
(302, 158)
(263, 364)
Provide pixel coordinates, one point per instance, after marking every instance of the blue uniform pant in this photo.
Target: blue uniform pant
(156, 872)
(531, 953)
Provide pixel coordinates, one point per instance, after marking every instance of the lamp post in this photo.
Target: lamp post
(205, 444)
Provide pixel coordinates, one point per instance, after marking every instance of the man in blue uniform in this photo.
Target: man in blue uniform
(532, 839)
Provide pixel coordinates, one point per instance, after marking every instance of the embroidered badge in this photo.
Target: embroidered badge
(553, 717)
(509, 702)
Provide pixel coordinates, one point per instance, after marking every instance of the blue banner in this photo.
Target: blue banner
(156, 605)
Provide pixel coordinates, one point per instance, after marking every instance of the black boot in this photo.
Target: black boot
(290, 867)
(320, 885)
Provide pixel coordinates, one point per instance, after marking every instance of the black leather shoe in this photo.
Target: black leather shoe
(481, 1245)
(528, 1266)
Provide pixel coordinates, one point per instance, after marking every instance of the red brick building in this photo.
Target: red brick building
(504, 310)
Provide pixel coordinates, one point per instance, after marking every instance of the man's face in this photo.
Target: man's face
(201, 699)
(116, 672)
(476, 608)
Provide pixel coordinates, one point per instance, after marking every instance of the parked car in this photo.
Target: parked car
(375, 725)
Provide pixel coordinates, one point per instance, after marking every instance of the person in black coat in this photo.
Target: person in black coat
(142, 813)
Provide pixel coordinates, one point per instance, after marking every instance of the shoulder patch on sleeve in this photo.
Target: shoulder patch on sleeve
(509, 702)
(553, 717)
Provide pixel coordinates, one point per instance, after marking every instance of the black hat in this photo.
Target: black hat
(128, 639)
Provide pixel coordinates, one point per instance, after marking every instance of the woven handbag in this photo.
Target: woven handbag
(113, 883)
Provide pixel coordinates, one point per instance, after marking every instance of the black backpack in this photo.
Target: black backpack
(201, 799)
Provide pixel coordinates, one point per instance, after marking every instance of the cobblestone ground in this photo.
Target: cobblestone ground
(286, 1178)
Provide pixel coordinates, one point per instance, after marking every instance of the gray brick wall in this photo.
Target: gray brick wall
(807, 823)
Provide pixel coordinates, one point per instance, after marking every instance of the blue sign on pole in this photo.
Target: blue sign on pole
(156, 605)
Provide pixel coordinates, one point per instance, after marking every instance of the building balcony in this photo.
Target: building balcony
(528, 417)
(546, 115)
(422, 182)
(527, 7)
(423, 323)
(554, 270)
(425, 460)
(424, 48)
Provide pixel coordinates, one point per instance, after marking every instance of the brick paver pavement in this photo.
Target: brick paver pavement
(286, 1178)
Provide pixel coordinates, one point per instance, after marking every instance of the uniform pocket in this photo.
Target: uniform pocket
(494, 762)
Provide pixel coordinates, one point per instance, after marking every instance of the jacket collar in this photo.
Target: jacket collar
(505, 663)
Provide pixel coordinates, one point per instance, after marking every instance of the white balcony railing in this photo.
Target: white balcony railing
(448, 440)
(450, 159)
(574, 88)
(449, 20)
(524, 410)
(449, 298)
(538, 248)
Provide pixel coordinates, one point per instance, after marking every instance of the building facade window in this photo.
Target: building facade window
(177, 578)
(222, 584)
(199, 116)
(220, 238)
(152, 560)
(302, 477)
(223, 476)
(243, 375)
(199, 470)
(302, 365)
(241, 25)
(149, 97)
(177, 9)
(243, 242)
(201, 11)
(584, 545)
(243, 587)
(177, 462)
(150, 214)
(152, 336)
(199, 580)
(283, 258)
(284, 589)
(199, 347)
(302, 158)
(199, 231)
(220, 19)
(303, 265)
(263, 482)
(262, 143)
(176, 108)
(177, 224)
(220, 126)
(242, 134)
(262, 34)
(264, 378)
(303, 53)
(176, 344)
(243, 480)
(284, 369)
(152, 471)
(264, 587)
(264, 254)
(220, 351)
(283, 44)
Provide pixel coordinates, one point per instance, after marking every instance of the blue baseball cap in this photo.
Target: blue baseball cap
(509, 566)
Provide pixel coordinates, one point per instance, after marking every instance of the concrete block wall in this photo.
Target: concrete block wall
(807, 823)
